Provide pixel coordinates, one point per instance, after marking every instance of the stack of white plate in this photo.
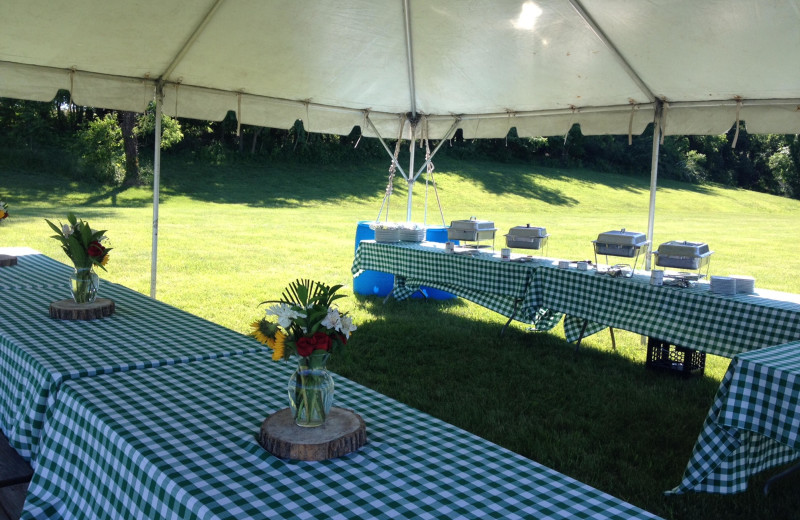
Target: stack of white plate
(723, 285)
(412, 235)
(744, 284)
(387, 235)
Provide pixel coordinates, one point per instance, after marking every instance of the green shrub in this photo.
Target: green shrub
(99, 146)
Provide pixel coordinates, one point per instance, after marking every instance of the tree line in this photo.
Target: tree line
(115, 148)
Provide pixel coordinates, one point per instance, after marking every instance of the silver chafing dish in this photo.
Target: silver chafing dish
(681, 254)
(621, 243)
(527, 237)
(471, 230)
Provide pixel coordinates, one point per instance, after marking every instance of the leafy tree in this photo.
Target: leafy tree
(99, 146)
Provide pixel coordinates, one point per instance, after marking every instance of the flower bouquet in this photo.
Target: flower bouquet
(85, 248)
(305, 322)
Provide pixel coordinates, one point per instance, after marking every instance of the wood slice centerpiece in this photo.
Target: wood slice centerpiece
(343, 432)
(69, 310)
(7, 260)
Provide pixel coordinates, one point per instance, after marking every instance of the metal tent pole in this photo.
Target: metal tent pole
(156, 185)
(657, 123)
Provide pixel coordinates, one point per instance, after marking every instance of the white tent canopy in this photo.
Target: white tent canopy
(537, 66)
(483, 66)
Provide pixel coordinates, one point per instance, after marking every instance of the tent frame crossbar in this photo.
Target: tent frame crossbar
(576, 4)
(386, 147)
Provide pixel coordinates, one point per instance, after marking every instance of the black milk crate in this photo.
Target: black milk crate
(681, 360)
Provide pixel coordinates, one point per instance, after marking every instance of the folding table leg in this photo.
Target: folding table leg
(580, 338)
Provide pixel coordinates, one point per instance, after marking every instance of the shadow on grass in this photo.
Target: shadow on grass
(287, 185)
(272, 184)
(598, 416)
(525, 180)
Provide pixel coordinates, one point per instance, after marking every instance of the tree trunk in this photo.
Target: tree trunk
(127, 123)
(256, 132)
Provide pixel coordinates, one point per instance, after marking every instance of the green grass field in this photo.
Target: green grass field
(234, 235)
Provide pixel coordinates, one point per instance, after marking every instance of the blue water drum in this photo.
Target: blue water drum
(377, 283)
(371, 283)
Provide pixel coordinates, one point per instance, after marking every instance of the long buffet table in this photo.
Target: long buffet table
(753, 423)
(153, 413)
(690, 317)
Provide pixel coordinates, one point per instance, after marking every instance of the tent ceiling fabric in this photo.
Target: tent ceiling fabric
(539, 66)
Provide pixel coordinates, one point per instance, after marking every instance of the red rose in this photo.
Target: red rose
(96, 250)
(319, 341)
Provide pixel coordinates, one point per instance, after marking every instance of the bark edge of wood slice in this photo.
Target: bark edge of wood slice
(343, 432)
(69, 310)
(7, 260)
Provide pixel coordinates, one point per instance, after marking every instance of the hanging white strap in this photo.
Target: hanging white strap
(239, 115)
(736, 134)
(571, 121)
(630, 125)
(664, 107)
(71, 86)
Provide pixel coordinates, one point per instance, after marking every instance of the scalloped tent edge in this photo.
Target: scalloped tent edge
(611, 66)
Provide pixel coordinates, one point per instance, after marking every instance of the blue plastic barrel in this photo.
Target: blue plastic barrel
(371, 283)
(378, 283)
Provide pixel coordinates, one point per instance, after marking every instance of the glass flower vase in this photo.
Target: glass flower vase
(83, 283)
(311, 391)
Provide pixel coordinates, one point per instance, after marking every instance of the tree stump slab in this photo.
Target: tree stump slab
(343, 432)
(7, 260)
(69, 310)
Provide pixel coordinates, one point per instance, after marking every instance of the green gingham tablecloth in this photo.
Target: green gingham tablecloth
(180, 442)
(39, 353)
(508, 288)
(753, 424)
(33, 270)
(690, 317)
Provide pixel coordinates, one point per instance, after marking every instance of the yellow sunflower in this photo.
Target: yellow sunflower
(260, 333)
(104, 261)
(278, 346)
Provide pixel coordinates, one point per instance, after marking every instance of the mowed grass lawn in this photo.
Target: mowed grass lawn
(233, 235)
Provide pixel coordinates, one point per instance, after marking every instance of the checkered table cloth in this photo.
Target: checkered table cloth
(33, 270)
(180, 442)
(39, 353)
(690, 317)
(508, 288)
(753, 423)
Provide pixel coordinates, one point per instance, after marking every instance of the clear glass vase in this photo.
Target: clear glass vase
(83, 283)
(311, 391)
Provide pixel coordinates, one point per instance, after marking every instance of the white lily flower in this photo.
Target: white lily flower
(66, 230)
(332, 320)
(346, 324)
(285, 314)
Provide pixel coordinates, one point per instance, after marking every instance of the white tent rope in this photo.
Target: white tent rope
(736, 134)
(392, 168)
(430, 168)
(663, 124)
